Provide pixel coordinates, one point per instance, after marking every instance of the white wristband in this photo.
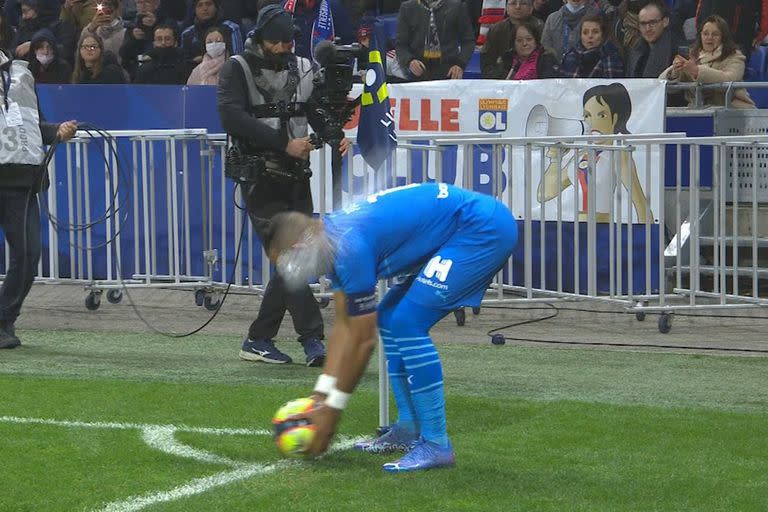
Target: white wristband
(325, 383)
(337, 399)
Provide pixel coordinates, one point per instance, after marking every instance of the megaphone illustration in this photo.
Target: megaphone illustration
(541, 124)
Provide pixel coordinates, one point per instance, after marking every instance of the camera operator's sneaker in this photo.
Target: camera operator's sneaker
(8, 338)
(315, 352)
(263, 350)
(424, 455)
(396, 439)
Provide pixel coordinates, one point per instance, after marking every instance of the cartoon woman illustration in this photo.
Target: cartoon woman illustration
(607, 109)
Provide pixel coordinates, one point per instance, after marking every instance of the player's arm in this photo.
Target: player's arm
(350, 345)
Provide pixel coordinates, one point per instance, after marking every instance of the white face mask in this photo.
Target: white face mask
(215, 49)
(44, 58)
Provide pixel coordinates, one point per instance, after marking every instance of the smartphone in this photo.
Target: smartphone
(683, 51)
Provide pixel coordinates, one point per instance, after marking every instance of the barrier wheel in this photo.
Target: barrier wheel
(498, 339)
(665, 323)
(640, 315)
(323, 302)
(209, 304)
(461, 317)
(475, 311)
(199, 297)
(115, 296)
(92, 301)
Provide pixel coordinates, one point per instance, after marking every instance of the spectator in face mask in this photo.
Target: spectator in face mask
(44, 61)
(32, 21)
(216, 53)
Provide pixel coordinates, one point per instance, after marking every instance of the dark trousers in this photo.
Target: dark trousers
(18, 213)
(264, 200)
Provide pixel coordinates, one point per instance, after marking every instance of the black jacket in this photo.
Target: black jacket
(111, 72)
(166, 67)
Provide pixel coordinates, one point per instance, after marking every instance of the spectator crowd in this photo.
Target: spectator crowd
(187, 41)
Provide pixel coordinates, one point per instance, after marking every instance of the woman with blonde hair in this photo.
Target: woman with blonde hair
(715, 58)
(93, 65)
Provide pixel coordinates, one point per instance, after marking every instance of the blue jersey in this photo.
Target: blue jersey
(396, 231)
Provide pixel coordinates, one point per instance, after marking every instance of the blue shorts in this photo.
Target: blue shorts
(460, 271)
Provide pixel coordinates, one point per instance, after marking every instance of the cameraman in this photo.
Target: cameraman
(282, 81)
(21, 176)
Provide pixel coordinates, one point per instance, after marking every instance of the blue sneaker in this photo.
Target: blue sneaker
(263, 350)
(315, 352)
(396, 439)
(424, 455)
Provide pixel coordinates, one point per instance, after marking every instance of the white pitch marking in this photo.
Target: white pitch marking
(136, 426)
(196, 486)
(162, 438)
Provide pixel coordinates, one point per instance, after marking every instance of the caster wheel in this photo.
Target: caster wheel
(461, 317)
(199, 297)
(475, 311)
(382, 430)
(640, 317)
(115, 296)
(92, 301)
(665, 323)
(498, 339)
(210, 305)
(323, 302)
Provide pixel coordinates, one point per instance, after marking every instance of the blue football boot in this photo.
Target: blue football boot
(396, 439)
(423, 455)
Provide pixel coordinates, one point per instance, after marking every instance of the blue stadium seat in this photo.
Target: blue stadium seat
(757, 71)
(757, 67)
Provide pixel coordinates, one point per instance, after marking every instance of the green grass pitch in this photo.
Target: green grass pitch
(118, 422)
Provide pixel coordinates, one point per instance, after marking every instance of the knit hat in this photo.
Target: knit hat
(274, 24)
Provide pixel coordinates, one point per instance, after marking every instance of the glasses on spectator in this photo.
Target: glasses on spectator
(650, 23)
(91, 47)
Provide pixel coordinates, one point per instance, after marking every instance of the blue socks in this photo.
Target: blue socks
(415, 371)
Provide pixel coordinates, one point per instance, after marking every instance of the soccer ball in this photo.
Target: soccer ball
(293, 436)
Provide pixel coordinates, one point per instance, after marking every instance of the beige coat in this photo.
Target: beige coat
(711, 71)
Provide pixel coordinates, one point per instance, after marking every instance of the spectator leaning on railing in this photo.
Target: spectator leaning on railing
(715, 58)
(595, 55)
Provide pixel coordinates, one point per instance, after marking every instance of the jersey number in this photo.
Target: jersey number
(10, 139)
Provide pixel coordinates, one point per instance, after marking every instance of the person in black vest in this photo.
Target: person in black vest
(167, 64)
(251, 86)
(21, 177)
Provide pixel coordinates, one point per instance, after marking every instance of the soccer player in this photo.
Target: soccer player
(446, 244)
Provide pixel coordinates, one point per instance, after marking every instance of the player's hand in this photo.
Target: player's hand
(66, 130)
(324, 419)
(455, 73)
(417, 67)
(344, 146)
(299, 148)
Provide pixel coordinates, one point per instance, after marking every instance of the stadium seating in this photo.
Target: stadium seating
(757, 71)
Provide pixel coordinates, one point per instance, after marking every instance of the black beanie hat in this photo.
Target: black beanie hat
(274, 24)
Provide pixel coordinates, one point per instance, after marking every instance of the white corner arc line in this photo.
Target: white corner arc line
(162, 438)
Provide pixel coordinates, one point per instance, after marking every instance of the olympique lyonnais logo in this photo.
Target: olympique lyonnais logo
(492, 114)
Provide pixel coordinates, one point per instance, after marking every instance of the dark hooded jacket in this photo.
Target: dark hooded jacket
(166, 67)
(58, 71)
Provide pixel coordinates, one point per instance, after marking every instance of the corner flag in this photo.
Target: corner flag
(376, 130)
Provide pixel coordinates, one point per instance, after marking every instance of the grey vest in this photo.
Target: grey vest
(273, 86)
(20, 139)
